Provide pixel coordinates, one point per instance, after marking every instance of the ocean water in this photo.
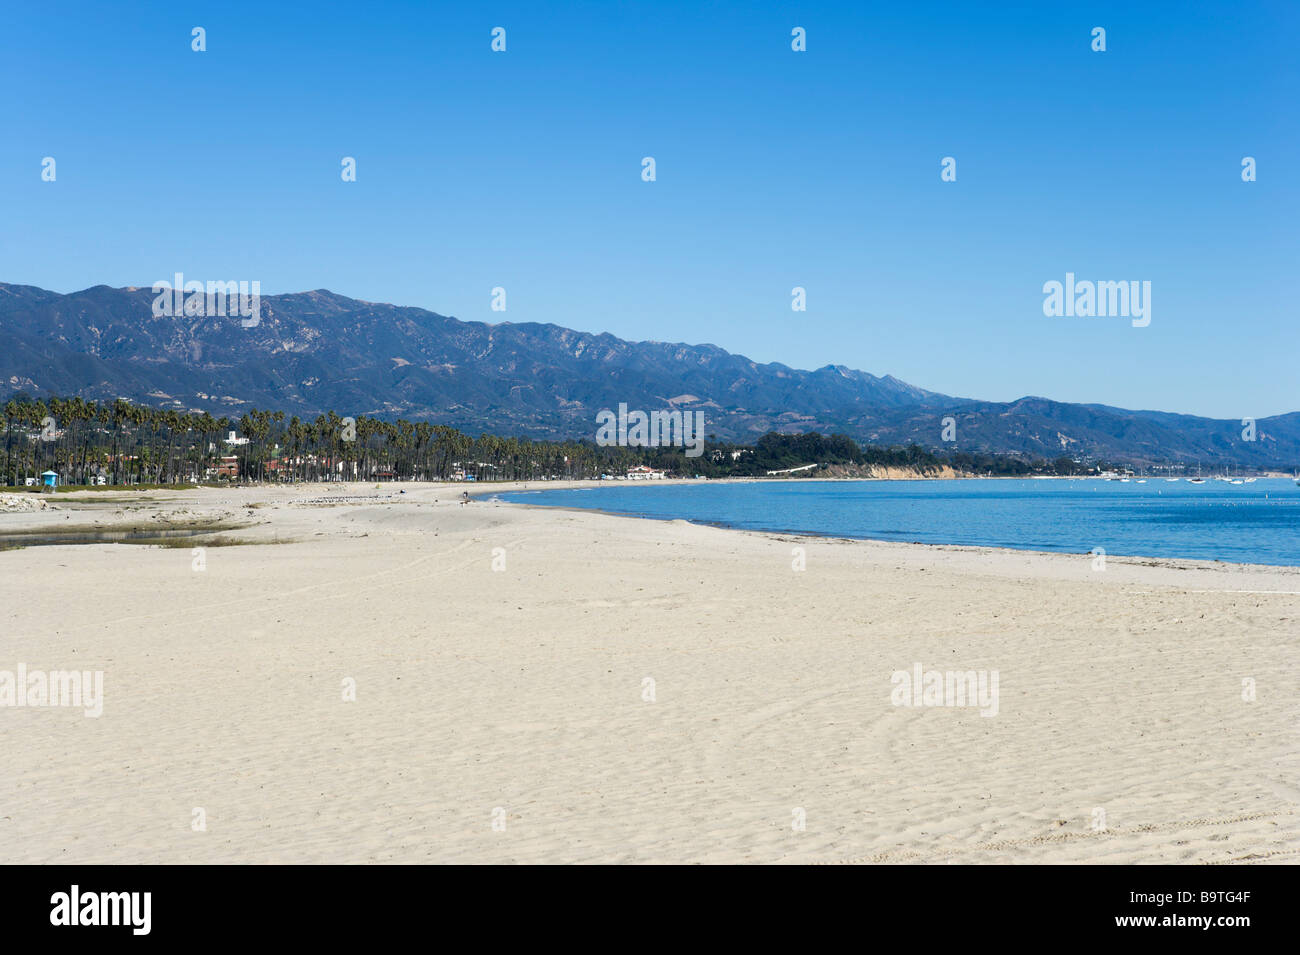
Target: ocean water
(1247, 523)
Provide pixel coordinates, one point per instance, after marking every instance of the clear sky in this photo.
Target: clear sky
(775, 169)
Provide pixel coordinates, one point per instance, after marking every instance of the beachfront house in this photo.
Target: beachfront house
(643, 473)
(228, 468)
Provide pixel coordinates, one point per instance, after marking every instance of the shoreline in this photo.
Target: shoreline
(1182, 563)
(390, 492)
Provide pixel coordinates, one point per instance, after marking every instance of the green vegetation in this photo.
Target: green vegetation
(840, 454)
(125, 445)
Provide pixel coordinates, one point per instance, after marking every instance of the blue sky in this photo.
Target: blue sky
(775, 169)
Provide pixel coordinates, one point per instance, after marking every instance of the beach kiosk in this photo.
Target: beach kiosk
(49, 479)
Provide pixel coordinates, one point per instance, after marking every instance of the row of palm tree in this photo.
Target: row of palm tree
(126, 442)
(120, 442)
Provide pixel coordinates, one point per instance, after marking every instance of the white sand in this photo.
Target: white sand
(523, 689)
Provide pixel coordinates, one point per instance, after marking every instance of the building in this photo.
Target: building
(232, 439)
(49, 479)
(644, 473)
(228, 468)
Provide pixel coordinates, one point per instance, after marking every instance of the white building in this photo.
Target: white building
(643, 473)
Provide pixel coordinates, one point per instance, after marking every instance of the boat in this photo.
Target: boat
(1201, 480)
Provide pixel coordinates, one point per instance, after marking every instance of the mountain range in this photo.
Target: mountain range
(316, 351)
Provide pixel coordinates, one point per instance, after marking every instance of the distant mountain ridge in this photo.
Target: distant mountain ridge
(318, 351)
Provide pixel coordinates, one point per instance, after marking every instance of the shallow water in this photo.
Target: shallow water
(45, 538)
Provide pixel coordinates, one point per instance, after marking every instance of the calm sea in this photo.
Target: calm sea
(1246, 523)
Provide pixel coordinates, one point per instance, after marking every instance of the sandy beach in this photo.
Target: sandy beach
(539, 685)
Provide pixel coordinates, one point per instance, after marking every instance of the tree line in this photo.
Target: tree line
(121, 443)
